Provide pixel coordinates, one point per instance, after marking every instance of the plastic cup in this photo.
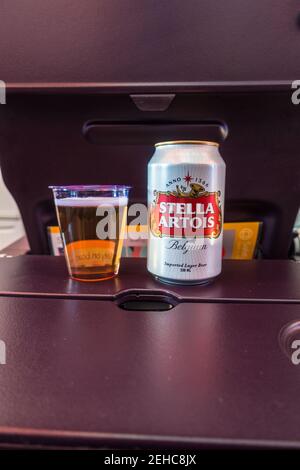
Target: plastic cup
(92, 221)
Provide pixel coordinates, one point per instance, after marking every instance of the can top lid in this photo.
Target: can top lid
(191, 142)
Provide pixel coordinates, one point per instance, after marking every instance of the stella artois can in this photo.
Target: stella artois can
(186, 181)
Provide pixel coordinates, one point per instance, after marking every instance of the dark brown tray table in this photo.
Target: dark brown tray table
(246, 281)
(210, 372)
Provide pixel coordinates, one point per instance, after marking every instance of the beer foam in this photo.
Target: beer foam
(92, 201)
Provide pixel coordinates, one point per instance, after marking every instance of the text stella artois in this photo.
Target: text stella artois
(185, 198)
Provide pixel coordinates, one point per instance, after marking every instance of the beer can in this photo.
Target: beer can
(186, 183)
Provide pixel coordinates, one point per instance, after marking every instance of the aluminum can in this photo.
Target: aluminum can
(186, 182)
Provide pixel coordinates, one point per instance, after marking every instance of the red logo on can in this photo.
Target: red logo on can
(186, 214)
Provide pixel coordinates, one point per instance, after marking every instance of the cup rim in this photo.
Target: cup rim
(90, 187)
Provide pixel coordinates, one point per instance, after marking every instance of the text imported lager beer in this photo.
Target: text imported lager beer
(186, 181)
